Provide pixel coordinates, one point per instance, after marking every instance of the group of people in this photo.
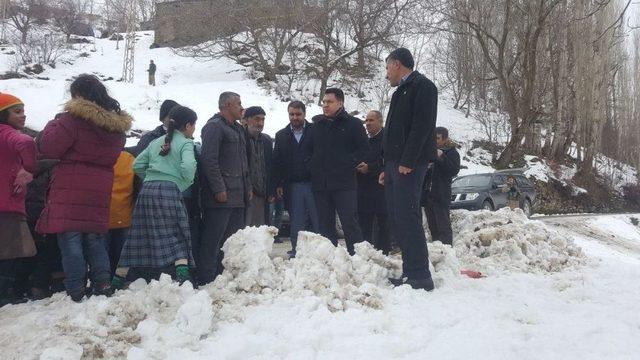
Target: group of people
(168, 204)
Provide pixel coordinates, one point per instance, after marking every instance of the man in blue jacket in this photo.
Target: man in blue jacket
(409, 147)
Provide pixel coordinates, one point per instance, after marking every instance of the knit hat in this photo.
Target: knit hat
(7, 101)
(404, 56)
(253, 111)
(166, 107)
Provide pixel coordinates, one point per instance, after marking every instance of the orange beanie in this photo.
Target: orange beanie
(7, 101)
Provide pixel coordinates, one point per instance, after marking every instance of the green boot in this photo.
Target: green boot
(182, 273)
(117, 283)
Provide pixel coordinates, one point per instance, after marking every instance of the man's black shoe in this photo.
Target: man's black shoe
(418, 284)
(277, 240)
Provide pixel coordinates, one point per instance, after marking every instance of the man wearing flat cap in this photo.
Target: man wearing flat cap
(259, 153)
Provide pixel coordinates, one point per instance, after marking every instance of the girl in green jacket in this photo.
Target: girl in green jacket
(159, 235)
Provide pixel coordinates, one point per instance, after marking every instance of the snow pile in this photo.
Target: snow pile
(320, 270)
(506, 240)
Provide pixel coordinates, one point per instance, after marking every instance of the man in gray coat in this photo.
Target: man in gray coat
(225, 184)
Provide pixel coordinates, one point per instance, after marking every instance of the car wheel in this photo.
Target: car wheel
(487, 205)
(526, 208)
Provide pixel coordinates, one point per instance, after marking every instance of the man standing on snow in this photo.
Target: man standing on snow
(371, 202)
(437, 196)
(260, 153)
(225, 183)
(409, 146)
(152, 73)
(291, 156)
(339, 146)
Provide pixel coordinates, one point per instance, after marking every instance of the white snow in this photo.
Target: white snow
(543, 297)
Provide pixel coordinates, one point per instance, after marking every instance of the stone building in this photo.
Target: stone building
(188, 22)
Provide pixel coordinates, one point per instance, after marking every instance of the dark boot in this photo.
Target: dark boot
(103, 289)
(418, 284)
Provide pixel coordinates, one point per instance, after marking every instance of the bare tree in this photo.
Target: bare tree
(24, 14)
(70, 15)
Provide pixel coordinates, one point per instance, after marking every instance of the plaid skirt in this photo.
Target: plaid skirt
(159, 233)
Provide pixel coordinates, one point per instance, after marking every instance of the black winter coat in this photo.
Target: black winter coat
(267, 143)
(371, 198)
(147, 138)
(409, 132)
(37, 189)
(291, 159)
(223, 164)
(440, 175)
(339, 145)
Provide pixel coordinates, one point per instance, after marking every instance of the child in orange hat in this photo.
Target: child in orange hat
(18, 156)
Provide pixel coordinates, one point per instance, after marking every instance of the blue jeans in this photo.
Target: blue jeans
(78, 249)
(403, 194)
(303, 213)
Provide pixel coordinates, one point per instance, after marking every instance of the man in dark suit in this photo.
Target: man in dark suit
(372, 206)
(339, 146)
(409, 147)
(291, 156)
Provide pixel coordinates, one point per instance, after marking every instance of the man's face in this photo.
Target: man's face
(256, 124)
(394, 75)
(440, 140)
(17, 117)
(331, 105)
(373, 123)
(296, 117)
(235, 108)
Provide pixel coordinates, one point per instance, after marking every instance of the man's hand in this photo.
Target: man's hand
(363, 168)
(381, 179)
(250, 195)
(440, 153)
(404, 170)
(221, 197)
(271, 199)
(279, 192)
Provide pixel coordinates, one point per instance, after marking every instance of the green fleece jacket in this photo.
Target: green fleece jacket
(179, 166)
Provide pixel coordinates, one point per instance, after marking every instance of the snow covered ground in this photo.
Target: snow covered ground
(550, 292)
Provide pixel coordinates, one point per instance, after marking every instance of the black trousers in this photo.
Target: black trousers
(439, 221)
(345, 202)
(219, 224)
(375, 230)
(7, 276)
(403, 194)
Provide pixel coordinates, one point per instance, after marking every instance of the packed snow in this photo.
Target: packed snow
(541, 297)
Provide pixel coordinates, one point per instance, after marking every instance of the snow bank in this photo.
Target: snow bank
(320, 270)
(506, 240)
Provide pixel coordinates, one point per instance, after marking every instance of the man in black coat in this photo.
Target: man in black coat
(291, 175)
(372, 205)
(225, 183)
(409, 146)
(260, 154)
(339, 146)
(437, 195)
(161, 130)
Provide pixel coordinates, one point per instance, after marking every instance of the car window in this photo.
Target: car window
(499, 180)
(523, 181)
(472, 181)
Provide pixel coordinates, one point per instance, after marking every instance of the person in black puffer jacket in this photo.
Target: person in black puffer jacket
(340, 144)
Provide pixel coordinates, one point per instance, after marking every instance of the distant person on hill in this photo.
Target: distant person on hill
(18, 158)
(152, 73)
(160, 234)
(437, 195)
(161, 130)
(87, 138)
